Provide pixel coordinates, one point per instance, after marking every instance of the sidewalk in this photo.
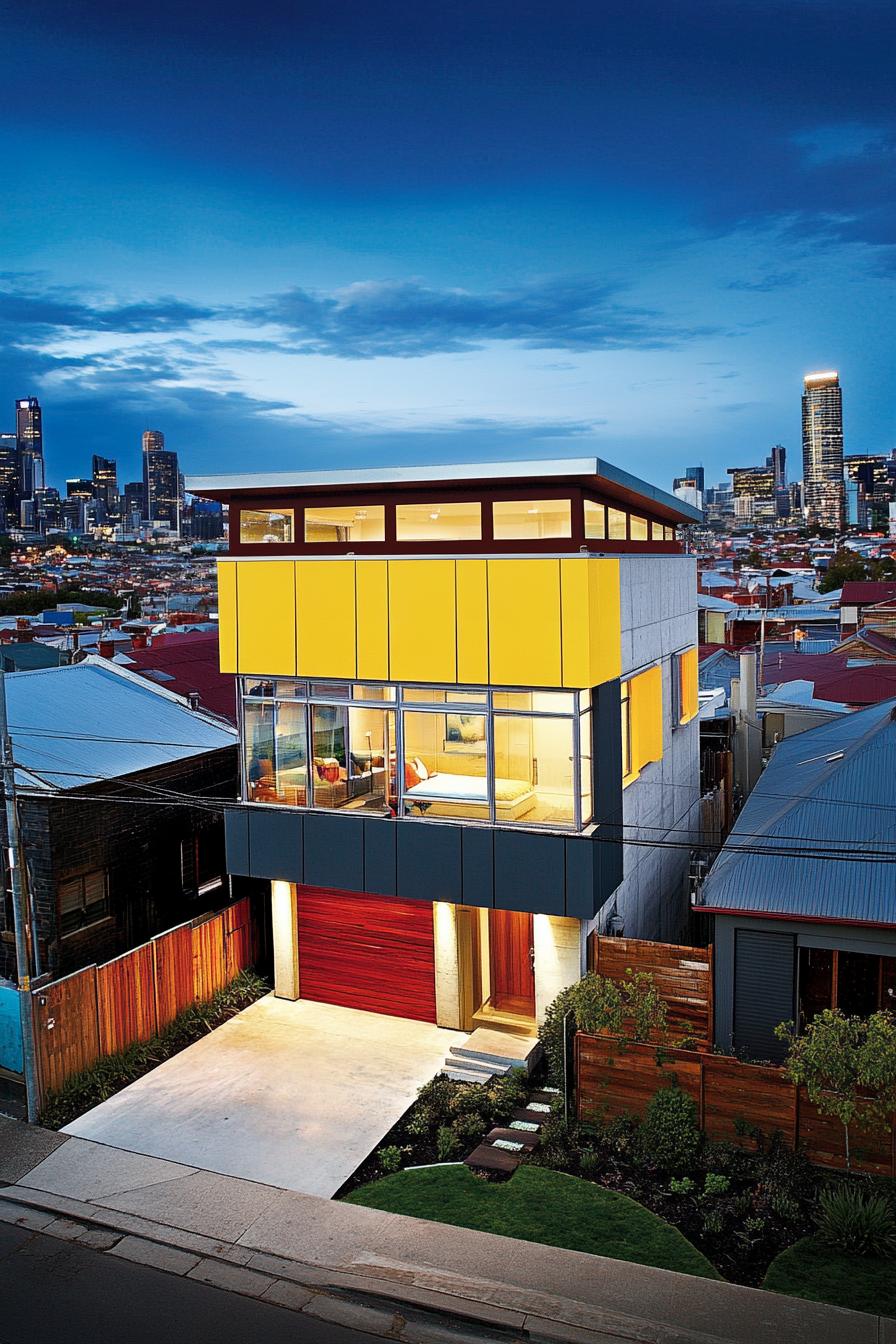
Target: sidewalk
(373, 1270)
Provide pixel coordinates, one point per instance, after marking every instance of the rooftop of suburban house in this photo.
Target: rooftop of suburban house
(816, 839)
(95, 721)
(865, 592)
(184, 665)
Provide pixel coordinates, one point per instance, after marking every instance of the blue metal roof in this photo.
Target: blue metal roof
(822, 811)
(72, 726)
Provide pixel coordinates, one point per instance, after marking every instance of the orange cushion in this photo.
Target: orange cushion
(410, 775)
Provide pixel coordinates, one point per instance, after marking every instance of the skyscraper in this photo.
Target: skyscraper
(30, 446)
(777, 460)
(823, 493)
(9, 481)
(696, 474)
(161, 481)
(754, 493)
(105, 483)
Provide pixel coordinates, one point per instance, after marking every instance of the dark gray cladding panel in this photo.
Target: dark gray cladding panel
(334, 852)
(236, 839)
(429, 863)
(607, 757)
(276, 843)
(530, 872)
(380, 856)
(582, 867)
(764, 975)
(478, 847)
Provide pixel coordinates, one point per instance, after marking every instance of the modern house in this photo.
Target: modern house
(463, 691)
(803, 894)
(104, 760)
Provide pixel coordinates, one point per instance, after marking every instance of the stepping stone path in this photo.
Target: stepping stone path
(502, 1150)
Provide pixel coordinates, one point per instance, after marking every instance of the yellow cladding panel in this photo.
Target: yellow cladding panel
(646, 691)
(592, 639)
(422, 621)
(687, 668)
(227, 615)
(472, 622)
(325, 618)
(524, 622)
(266, 600)
(372, 588)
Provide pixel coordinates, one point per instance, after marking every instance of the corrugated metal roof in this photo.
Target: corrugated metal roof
(826, 790)
(78, 725)
(806, 612)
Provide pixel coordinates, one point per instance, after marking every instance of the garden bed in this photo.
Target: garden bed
(541, 1206)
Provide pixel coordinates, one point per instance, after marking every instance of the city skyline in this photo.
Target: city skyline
(419, 236)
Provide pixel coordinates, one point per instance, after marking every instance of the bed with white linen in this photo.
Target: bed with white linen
(447, 795)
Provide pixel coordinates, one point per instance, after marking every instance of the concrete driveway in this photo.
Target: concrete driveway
(287, 1094)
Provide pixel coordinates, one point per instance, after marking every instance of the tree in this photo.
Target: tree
(845, 567)
(847, 1066)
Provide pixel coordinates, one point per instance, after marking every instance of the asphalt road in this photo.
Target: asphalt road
(54, 1290)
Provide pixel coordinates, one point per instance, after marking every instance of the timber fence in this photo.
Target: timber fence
(734, 1100)
(682, 976)
(102, 1009)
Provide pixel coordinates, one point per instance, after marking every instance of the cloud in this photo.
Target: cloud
(27, 307)
(765, 284)
(407, 319)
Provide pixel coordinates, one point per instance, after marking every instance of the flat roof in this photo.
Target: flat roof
(593, 472)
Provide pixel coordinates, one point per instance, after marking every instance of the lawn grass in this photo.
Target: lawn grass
(811, 1269)
(539, 1205)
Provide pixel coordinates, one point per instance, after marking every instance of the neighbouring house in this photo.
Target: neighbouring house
(803, 894)
(713, 616)
(458, 685)
(857, 595)
(872, 646)
(188, 665)
(104, 761)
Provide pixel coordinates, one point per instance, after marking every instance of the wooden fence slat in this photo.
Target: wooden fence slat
(126, 1001)
(173, 959)
(208, 958)
(683, 977)
(66, 1034)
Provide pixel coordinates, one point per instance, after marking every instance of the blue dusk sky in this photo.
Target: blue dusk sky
(334, 234)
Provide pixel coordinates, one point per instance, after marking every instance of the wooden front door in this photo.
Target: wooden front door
(511, 962)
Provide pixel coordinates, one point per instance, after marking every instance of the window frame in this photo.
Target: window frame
(580, 707)
(82, 879)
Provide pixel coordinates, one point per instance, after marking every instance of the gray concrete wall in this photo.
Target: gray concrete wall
(659, 618)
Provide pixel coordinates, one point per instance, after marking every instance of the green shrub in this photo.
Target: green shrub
(551, 1032)
(856, 1221)
(681, 1185)
(469, 1129)
(715, 1184)
(590, 1164)
(669, 1138)
(389, 1159)
(447, 1146)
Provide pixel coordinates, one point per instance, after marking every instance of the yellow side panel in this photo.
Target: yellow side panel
(472, 622)
(227, 615)
(266, 597)
(647, 716)
(689, 682)
(576, 623)
(371, 586)
(524, 622)
(422, 621)
(325, 618)
(605, 620)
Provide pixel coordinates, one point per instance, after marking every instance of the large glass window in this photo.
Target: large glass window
(260, 526)
(503, 756)
(531, 519)
(616, 529)
(445, 764)
(345, 523)
(595, 521)
(438, 522)
(637, 528)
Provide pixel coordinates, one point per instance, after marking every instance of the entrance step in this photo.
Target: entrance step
(501, 1020)
(500, 1048)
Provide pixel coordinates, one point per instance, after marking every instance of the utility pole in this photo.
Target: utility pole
(15, 865)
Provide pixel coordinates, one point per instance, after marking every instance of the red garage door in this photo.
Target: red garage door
(367, 952)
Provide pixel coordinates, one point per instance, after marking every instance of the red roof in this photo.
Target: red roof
(833, 678)
(191, 661)
(862, 592)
